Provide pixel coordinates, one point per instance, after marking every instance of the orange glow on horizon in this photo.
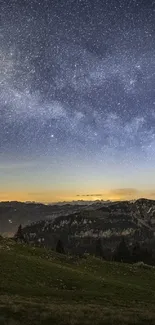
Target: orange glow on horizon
(58, 196)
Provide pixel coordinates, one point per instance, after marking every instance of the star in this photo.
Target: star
(77, 84)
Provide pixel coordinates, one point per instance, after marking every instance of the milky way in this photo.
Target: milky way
(78, 76)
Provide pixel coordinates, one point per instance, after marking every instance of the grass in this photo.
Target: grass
(38, 286)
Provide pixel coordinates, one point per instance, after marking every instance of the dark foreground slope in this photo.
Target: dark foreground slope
(41, 287)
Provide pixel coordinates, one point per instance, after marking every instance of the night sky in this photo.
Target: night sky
(77, 99)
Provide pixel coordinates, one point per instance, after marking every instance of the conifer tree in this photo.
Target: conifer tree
(122, 253)
(99, 249)
(60, 247)
(19, 234)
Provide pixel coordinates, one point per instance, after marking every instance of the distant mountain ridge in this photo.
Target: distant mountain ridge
(14, 213)
(80, 225)
(109, 221)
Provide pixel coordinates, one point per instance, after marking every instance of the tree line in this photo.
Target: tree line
(122, 253)
(19, 237)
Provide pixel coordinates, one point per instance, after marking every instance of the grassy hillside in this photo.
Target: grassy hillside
(41, 287)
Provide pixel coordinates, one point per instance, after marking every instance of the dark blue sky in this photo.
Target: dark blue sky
(77, 91)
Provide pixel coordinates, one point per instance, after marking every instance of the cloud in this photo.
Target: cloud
(130, 194)
(89, 195)
(120, 194)
(125, 191)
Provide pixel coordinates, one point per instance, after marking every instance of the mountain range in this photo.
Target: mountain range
(80, 225)
(14, 213)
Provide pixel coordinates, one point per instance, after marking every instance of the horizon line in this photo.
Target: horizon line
(59, 202)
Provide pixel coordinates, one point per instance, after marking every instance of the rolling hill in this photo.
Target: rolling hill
(79, 225)
(39, 286)
(14, 213)
(134, 220)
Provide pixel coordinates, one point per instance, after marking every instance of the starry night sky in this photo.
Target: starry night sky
(77, 99)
